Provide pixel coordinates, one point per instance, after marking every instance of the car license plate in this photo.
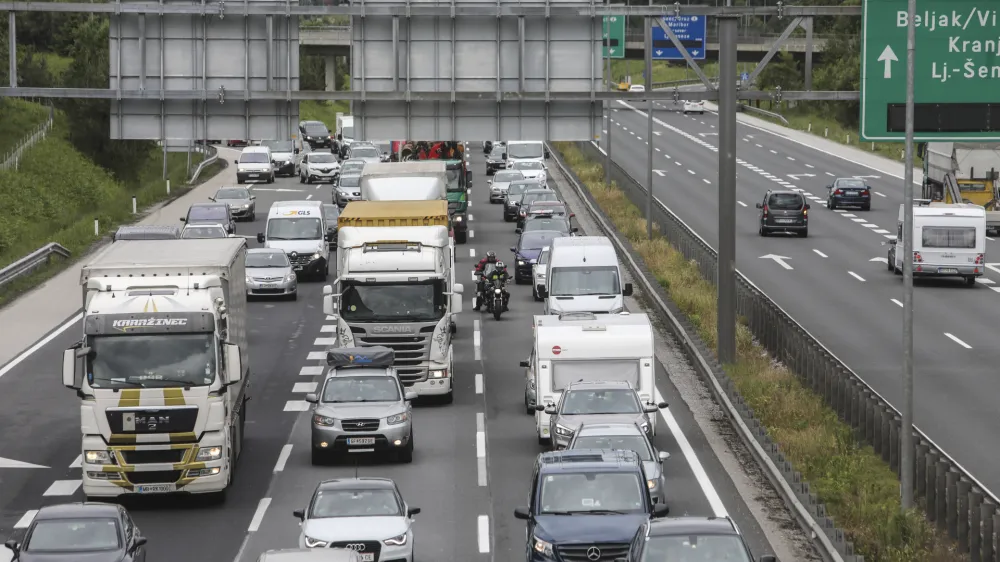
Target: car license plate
(852, 193)
(947, 270)
(367, 557)
(254, 175)
(361, 441)
(785, 221)
(268, 285)
(155, 488)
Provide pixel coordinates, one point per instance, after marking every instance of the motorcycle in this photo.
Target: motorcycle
(494, 303)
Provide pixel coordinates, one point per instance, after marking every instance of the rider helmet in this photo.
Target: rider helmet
(500, 265)
(491, 257)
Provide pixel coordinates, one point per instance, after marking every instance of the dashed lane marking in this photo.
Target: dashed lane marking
(706, 180)
(258, 516)
(820, 254)
(483, 533)
(329, 328)
(479, 383)
(472, 252)
(481, 474)
(63, 488)
(472, 233)
(810, 166)
(858, 220)
(741, 203)
(286, 451)
(870, 225)
(856, 276)
(470, 216)
(316, 356)
(955, 339)
(304, 387)
(77, 462)
(296, 406)
(323, 342)
(477, 340)
(897, 303)
(880, 231)
(311, 371)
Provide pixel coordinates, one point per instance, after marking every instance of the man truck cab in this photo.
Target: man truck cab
(949, 240)
(582, 346)
(583, 276)
(299, 228)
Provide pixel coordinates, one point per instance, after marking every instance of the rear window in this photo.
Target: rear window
(786, 201)
(317, 130)
(208, 214)
(949, 237)
(851, 184)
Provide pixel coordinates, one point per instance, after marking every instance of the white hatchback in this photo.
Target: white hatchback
(691, 106)
(637, 88)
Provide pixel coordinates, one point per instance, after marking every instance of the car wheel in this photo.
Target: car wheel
(762, 231)
(448, 398)
(318, 457)
(867, 207)
(302, 179)
(406, 455)
(830, 204)
(804, 233)
(461, 237)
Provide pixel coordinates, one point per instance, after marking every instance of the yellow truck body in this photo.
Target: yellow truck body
(394, 213)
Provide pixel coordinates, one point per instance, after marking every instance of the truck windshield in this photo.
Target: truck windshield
(525, 150)
(299, 228)
(455, 180)
(579, 281)
(393, 302)
(347, 132)
(152, 361)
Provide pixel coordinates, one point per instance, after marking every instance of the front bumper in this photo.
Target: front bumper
(155, 478)
(272, 289)
(317, 176)
(310, 267)
(431, 387)
(522, 272)
(497, 195)
(386, 553)
(252, 177)
(342, 199)
(386, 438)
(284, 168)
(240, 212)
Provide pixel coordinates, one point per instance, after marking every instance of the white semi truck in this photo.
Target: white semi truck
(396, 288)
(162, 371)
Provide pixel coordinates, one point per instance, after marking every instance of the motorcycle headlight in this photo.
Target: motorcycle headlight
(397, 419)
(563, 430)
(399, 540)
(496, 291)
(458, 219)
(209, 454)
(315, 543)
(97, 457)
(542, 547)
(324, 421)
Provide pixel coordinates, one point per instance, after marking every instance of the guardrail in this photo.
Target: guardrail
(764, 112)
(952, 498)
(12, 160)
(211, 155)
(31, 262)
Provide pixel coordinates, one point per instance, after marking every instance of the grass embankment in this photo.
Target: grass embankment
(325, 111)
(859, 490)
(18, 119)
(40, 208)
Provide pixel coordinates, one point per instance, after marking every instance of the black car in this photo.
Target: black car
(784, 211)
(849, 192)
(691, 538)
(497, 160)
(75, 532)
(331, 213)
(529, 246)
(512, 198)
(211, 213)
(316, 134)
(584, 501)
(528, 201)
(560, 224)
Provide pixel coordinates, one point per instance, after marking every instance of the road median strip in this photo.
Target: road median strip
(859, 489)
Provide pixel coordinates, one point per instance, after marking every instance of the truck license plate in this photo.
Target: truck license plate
(367, 557)
(155, 488)
(947, 270)
(361, 441)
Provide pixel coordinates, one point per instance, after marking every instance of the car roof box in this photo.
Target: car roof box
(373, 357)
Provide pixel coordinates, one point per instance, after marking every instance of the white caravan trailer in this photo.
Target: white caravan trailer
(949, 240)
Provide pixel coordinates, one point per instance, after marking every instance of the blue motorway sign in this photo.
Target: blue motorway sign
(745, 76)
(690, 30)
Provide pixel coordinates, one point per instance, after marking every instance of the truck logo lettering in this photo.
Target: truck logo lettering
(139, 323)
(396, 329)
(296, 213)
(130, 420)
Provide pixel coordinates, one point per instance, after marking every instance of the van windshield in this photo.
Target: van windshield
(525, 150)
(580, 281)
(294, 228)
(253, 158)
(949, 237)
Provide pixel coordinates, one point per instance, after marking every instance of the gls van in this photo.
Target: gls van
(583, 276)
(255, 165)
(299, 228)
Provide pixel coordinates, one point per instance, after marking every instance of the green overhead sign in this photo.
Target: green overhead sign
(613, 32)
(956, 70)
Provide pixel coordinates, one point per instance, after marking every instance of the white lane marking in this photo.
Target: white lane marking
(329, 318)
(656, 148)
(286, 451)
(77, 462)
(470, 216)
(477, 340)
(323, 342)
(472, 252)
(820, 254)
(858, 220)
(958, 341)
(328, 329)
(880, 194)
(483, 533)
(657, 133)
(870, 225)
(706, 181)
(26, 519)
(472, 233)
(258, 516)
(759, 145)
(296, 406)
(479, 383)
(849, 215)
(881, 231)
(985, 280)
(742, 204)
(890, 236)
(474, 278)
(310, 195)
(789, 157)
(316, 356)
(481, 475)
(677, 162)
(691, 172)
(810, 166)
(831, 175)
(899, 304)
(773, 151)
(660, 173)
(63, 488)
(310, 371)
(304, 387)
(640, 138)
(995, 289)
(841, 211)
(988, 238)
(41, 343)
(856, 276)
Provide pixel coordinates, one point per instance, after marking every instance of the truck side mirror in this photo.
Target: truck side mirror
(456, 298)
(69, 368)
(663, 456)
(328, 300)
(234, 363)
(237, 162)
(542, 291)
(628, 290)
(260, 237)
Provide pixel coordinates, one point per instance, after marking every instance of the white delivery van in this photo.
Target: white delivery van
(525, 151)
(581, 346)
(949, 240)
(583, 276)
(255, 165)
(345, 130)
(299, 228)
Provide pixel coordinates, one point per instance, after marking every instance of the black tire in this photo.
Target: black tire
(970, 280)
(867, 207)
(804, 233)
(461, 237)
(830, 204)
(543, 441)
(762, 231)
(890, 266)
(318, 458)
(302, 179)
(448, 398)
(497, 312)
(406, 455)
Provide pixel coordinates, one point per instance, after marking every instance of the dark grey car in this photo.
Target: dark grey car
(348, 189)
(75, 532)
(588, 402)
(784, 211)
(512, 198)
(242, 204)
(627, 436)
(211, 213)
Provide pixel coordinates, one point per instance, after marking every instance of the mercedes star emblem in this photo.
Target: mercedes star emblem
(357, 546)
(593, 553)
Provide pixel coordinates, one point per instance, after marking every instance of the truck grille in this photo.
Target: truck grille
(144, 457)
(579, 552)
(154, 477)
(360, 425)
(299, 259)
(152, 420)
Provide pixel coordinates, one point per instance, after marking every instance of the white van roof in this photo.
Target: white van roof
(593, 336)
(255, 148)
(582, 241)
(287, 208)
(573, 250)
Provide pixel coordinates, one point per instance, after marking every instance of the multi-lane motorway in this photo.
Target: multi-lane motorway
(472, 462)
(836, 282)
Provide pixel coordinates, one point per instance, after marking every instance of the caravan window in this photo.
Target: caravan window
(566, 372)
(949, 237)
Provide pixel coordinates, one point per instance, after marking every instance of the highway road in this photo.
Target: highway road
(836, 282)
(473, 458)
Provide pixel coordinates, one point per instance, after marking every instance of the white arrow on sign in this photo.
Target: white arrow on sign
(660, 173)
(780, 260)
(694, 53)
(797, 177)
(888, 57)
(883, 260)
(611, 51)
(659, 52)
(11, 463)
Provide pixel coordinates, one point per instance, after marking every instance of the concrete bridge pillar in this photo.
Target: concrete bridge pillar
(331, 73)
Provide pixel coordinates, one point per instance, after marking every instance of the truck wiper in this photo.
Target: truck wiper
(128, 382)
(177, 382)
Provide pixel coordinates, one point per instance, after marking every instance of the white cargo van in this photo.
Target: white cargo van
(949, 240)
(525, 151)
(588, 347)
(255, 164)
(299, 228)
(583, 276)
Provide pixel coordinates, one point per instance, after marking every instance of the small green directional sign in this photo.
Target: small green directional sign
(613, 32)
(956, 70)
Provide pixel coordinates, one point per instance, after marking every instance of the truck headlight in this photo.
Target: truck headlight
(315, 543)
(315, 256)
(209, 454)
(563, 430)
(97, 457)
(442, 374)
(542, 547)
(399, 540)
(397, 419)
(324, 421)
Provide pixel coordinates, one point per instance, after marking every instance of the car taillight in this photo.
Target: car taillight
(838, 192)
(805, 212)
(765, 210)
(980, 258)
(865, 193)
(917, 257)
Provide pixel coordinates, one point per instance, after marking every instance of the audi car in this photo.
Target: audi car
(849, 192)
(784, 211)
(364, 514)
(691, 538)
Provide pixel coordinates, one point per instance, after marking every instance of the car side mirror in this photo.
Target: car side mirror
(513, 249)
(893, 242)
(574, 229)
(237, 162)
(183, 219)
(522, 513)
(312, 398)
(662, 405)
(628, 290)
(412, 511)
(807, 206)
(340, 137)
(542, 291)
(211, 198)
(140, 541)
(550, 410)
(829, 187)
(661, 510)
(539, 407)
(253, 197)
(663, 456)
(12, 545)
(410, 396)
(229, 228)
(300, 514)
(650, 409)
(260, 237)
(525, 364)
(572, 215)
(759, 206)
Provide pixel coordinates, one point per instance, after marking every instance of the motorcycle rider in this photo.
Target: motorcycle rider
(496, 277)
(491, 258)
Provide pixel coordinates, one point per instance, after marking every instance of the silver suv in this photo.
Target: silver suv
(596, 402)
(361, 407)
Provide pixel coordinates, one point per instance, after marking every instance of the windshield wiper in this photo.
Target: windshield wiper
(276, 238)
(178, 382)
(602, 512)
(114, 382)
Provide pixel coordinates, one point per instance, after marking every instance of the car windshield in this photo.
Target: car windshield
(203, 232)
(317, 131)
(321, 158)
(331, 213)
(547, 223)
(351, 165)
(253, 158)
(455, 182)
(347, 131)
(232, 193)
(604, 401)
(695, 548)
(531, 165)
(393, 302)
(517, 188)
(294, 228)
(73, 535)
(350, 181)
(541, 196)
(635, 443)
(279, 146)
(577, 281)
(365, 152)
(507, 177)
(538, 239)
(568, 493)
(354, 503)
(267, 259)
(361, 389)
(497, 153)
(207, 213)
(525, 150)
(851, 184)
(152, 361)
(785, 201)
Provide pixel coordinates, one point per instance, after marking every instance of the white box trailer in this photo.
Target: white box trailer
(949, 240)
(422, 180)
